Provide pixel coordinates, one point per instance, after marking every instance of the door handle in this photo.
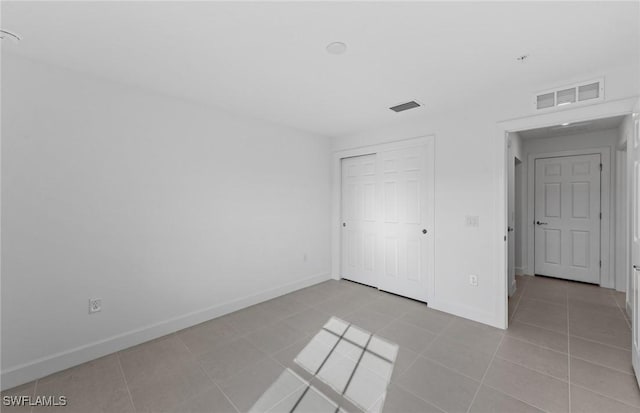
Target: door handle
(509, 229)
(541, 223)
(424, 231)
(344, 224)
(636, 267)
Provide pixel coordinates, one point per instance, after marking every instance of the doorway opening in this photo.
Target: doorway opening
(572, 203)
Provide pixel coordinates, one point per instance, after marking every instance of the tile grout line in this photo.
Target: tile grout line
(353, 372)
(522, 340)
(534, 370)
(215, 383)
(607, 397)
(392, 320)
(535, 344)
(495, 356)
(569, 356)
(35, 393)
(539, 326)
(515, 398)
(623, 310)
(524, 289)
(419, 354)
(450, 368)
(577, 336)
(365, 349)
(305, 382)
(442, 409)
(602, 365)
(125, 381)
(486, 372)
(572, 335)
(320, 368)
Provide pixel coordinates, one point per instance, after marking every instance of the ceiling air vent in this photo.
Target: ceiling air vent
(571, 95)
(405, 106)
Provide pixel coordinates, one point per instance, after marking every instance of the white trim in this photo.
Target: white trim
(464, 311)
(621, 241)
(580, 114)
(607, 250)
(575, 114)
(44, 366)
(337, 194)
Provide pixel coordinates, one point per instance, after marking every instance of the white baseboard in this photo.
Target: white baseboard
(467, 312)
(44, 366)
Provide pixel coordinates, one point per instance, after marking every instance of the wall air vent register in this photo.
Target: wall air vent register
(569, 96)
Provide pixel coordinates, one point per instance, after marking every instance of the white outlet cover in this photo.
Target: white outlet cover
(472, 221)
(95, 305)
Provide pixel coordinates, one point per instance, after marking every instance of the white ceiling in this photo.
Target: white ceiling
(573, 128)
(268, 60)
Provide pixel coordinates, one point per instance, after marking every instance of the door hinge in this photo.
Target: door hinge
(600, 263)
(601, 167)
(601, 215)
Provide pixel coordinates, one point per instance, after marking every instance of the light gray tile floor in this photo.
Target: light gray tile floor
(567, 350)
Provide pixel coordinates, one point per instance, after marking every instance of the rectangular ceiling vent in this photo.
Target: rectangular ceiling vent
(405, 106)
(571, 95)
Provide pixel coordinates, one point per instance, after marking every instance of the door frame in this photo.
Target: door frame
(607, 248)
(336, 198)
(590, 112)
(621, 255)
(513, 161)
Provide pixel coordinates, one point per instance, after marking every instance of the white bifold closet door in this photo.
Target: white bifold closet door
(387, 208)
(359, 219)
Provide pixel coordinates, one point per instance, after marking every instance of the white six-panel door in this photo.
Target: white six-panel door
(359, 219)
(387, 220)
(406, 228)
(567, 217)
(633, 150)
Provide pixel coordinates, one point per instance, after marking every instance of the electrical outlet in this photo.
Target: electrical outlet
(472, 221)
(95, 305)
(473, 280)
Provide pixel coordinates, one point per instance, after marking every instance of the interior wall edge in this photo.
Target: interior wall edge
(42, 367)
